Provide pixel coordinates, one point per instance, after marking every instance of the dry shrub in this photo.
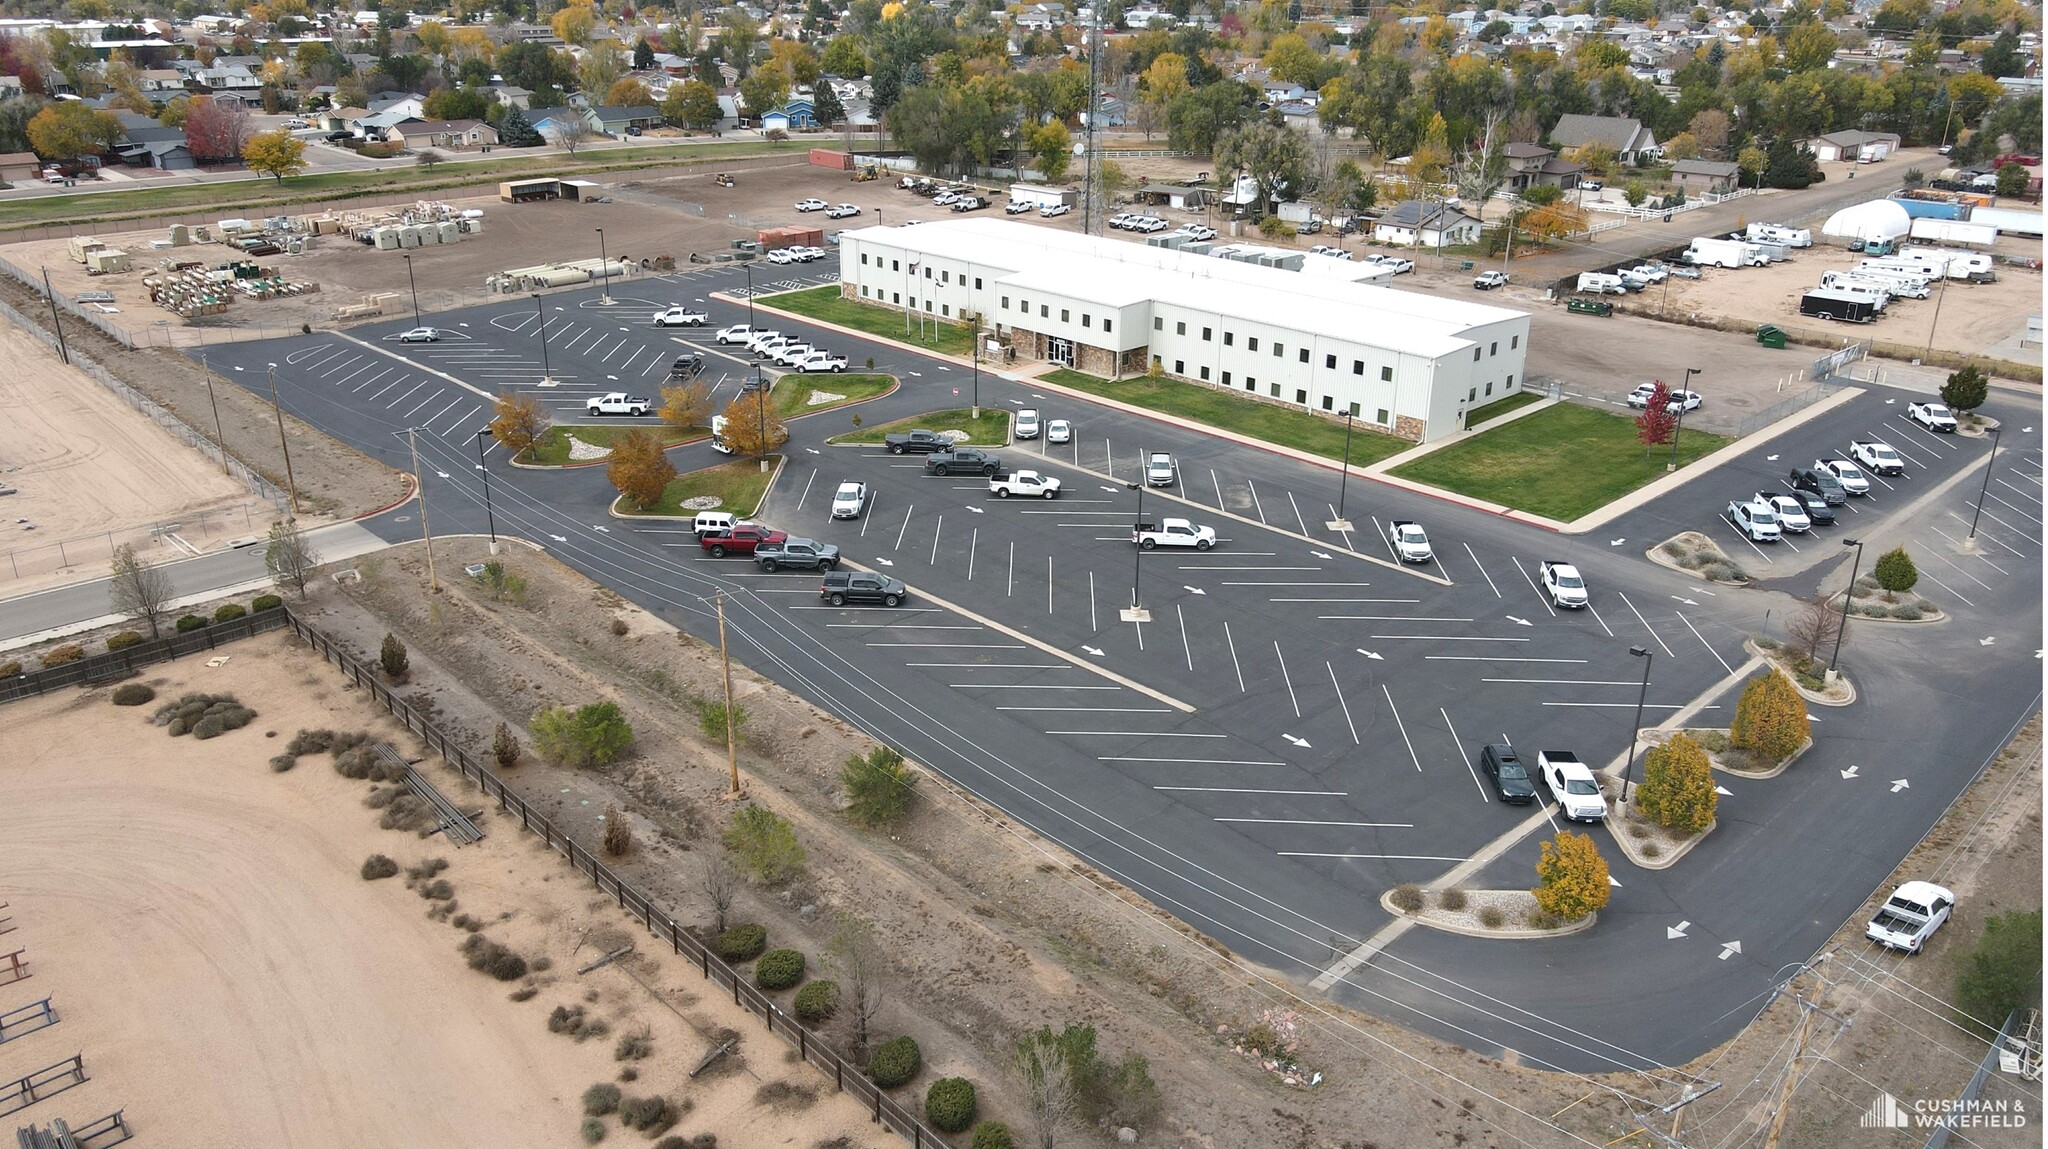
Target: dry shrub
(601, 1099)
(438, 890)
(424, 869)
(1407, 898)
(618, 834)
(635, 1045)
(651, 1115)
(487, 956)
(524, 993)
(378, 866)
(133, 694)
(1453, 899)
(64, 655)
(575, 1022)
(1492, 918)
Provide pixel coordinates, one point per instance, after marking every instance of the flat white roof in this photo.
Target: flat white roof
(1120, 273)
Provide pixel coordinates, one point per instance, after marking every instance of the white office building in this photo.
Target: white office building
(1301, 330)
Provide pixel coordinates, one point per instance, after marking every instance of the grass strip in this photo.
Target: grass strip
(793, 392)
(1562, 462)
(1287, 427)
(553, 448)
(991, 430)
(827, 305)
(739, 487)
(1479, 416)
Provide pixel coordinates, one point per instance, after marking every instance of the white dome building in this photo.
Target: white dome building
(1878, 219)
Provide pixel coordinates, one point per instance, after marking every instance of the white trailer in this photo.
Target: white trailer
(1972, 265)
(1896, 281)
(1780, 234)
(1842, 284)
(1041, 196)
(1711, 252)
(2010, 221)
(1954, 231)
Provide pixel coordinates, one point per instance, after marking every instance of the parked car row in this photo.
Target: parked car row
(1679, 400)
(720, 534)
(832, 211)
(1134, 221)
(1571, 783)
(783, 350)
(798, 254)
(1812, 493)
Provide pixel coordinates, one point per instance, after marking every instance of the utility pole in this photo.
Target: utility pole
(412, 437)
(1928, 352)
(63, 351)
(1094, 113)
(220, 437)
(732, 754)
(291, 486)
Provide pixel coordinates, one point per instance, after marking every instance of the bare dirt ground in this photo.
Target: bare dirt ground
(210, 947)
(94, 472)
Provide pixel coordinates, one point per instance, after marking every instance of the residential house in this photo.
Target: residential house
(411, 105)
(1627, 138)
(1280, 92)
(1418, 224)
(1533, 165)
(230, 79)
(799, 111)
(1706, 175)
(20, 167)
(674, 65)
(513, 96)
(340, 119)
(10, 87)
(1174, 196)
(377, 125)
(164, 83)
(1299, 115)
(156, 146)
(1042, 17)
(452, 135)
(1139, 17)
(1845, 147)
(617, 121)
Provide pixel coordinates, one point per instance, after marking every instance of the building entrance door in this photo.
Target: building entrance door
(1060, 351)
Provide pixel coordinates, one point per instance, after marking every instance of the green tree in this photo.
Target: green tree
(1786, 166)
(2012, 179)
(879, 786)
(643, 55)
(1966, 389)
(826, 106)
(1573, 877)
(844, 58)
(1895, 571)
(1290, 60)
(1197, 119)
(1275, 158)
(764, 90)
(1770, 718)
(1051, 147)
(593, 735)
(692, 104)
(69, 129)
(277, 153)
(766, 845)
(1678, 786)
(516, 131)
(2003, 57)
(1058, 1070)
(1635, 192)
(393, 658)
(2004, 972)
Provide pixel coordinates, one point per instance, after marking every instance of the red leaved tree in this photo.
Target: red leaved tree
(1658, 422)
(215, 130)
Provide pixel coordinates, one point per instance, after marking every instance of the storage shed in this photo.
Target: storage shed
(527, 191)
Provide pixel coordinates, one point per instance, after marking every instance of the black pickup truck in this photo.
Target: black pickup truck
(919, 442)
(965, 460)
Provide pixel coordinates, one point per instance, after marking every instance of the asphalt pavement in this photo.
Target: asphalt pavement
(1295, 728)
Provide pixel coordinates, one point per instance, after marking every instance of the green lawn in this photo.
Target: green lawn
(1499, 407)
(553, 448)
(793, 392)
(1316, 434)
(825, 303)
(104, 206)
(991, 430)
(740, 487)
(1562, 462)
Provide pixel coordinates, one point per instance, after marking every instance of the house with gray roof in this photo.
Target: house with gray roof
(1414, 223)
(1706, 175)
(1626, 137)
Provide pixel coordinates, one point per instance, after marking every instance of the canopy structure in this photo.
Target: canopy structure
(1878, 219)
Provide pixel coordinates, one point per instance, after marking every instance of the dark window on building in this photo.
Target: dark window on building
(1328, 403)
(1471, 393)
(1107, 325)
(1205, 374)
(1382, 420)
(894, 265)
(1358, 366)
(1205, 335)
(1304, 355)
(1354, 410)
(1230, 338)
(1226, 378)
(1386, 374)
(1006, 303)
(977, 283)
(896, 297)
(1087, 320)
(863, 259)
(1514, 341)
(1330, 362)
(1475, 355)
(1158, 323)
(1044, 311)
(1180, 367)
(1252, 344)
(1066, 316)
(1493, 349)
(1180, 329)
(1511, 383)
(1489, 388)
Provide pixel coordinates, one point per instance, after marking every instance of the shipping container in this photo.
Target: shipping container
(828, 158)
(775, 237)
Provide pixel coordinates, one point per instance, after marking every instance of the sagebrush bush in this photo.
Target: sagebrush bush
(651, 1115)
(378, 866)
(133, 694)
(63, 655)
(505, 748)
(618, 833)
(218, 712)
(992, 1135)
(817, 1001)
(123, 640)
(10, 669)
(263, 602)
(573, 1021)
(895, 1062)
(437, 890)
(1452, 899)
(229, 612)
(423, 869)
(765, 844)
(601, 1099)
(487, 956)
(1492, 918)
(593, 1130)
(191, 622)
(779, 969)
(1407, 898)
(743, 942)
(634, 1046)
(949, 1104)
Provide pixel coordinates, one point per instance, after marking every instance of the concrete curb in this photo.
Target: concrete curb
(1633, 853)
(1770, 660)
(612, 508)
(1421, 918)
(1655, 553)
(583, 463)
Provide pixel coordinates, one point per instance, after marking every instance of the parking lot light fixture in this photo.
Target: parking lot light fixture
(1970, 543)
(1848, 597)
(1340, 523)
(1136, 612)
(1636, 733)
(415, 284)
(547, 374)
(604, 269)
(1685, 389)
(489, 518)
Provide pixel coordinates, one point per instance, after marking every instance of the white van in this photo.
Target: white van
(1600, 283)
(1710, 251)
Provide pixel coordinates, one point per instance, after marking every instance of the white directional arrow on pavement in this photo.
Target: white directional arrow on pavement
(1108, 488)
(560, 538)
(1987, 641)
(1369, 654)
(917, 374)
(1730, 949)
(1322, 554)
(1677, 931)
(1519, 621)
(441, 474)
(1612, 882)
(1192, 589)
(976, 510)
(613, 378)
(1616, 542)
(810, 450)
(605, 529)
(885, 562)
(1770, 458)
(1850, 772)
(2023, 430)
(1719, 789)
(1686, 601)
(1899, 784)
(1092, 651)
(1301, 742)
(1889, 402)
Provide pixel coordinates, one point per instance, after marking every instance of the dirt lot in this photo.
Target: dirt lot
(210, 947)
(96, 473)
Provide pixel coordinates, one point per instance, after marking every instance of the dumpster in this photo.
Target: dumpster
(1589, 307)
(1771, 336)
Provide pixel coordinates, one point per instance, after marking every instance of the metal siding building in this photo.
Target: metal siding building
(1315, 339)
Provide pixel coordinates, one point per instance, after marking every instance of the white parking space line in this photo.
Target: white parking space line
(1955, 542)
(1496, 658)
(358, 371)
(2022, 492)
(1249, 790)
(1382, 857)
(1296, 582)
(906, 525)
(966, 646)
(938, 527)
(1629, 705)
(1288, 679)
(436, 416)
(1023, 685)
(1317, 822)
(2003, 503)
(1234, 665)
(1218, 487)
(462, 421)
(1403, 726)
(1188, 650)
(1297, 512)
(1192, 761)
(1596, 618)
(435, 394)
(1091, 709)
(1540, 596)
(1092, 627)
(1010, 574)
(1340, 702)
(1389, 618)
(1646, 625)
(1482, 571)
(973, 545)
(1950, 589)
(358, 388)
(1904, 454)
(1344, 600)
(997, 665)
(407, 395)
(1751, 542)
(896, 625)
(1703, 641)
(643, 349)
(806, 491)
(1131, 734)
(1256, 505)
(1458, 746)
(1566, 681)
(1448, 637)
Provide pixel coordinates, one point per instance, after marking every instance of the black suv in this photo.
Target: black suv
(842, 587)
(965, 460)
(1821, 483)
(1510, 779)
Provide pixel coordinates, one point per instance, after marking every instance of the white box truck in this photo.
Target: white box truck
(1709, 252)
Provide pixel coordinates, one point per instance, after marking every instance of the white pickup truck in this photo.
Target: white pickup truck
(1027, 483)
(1572, 784)
(616, 403)
(1562, 584)
(1409, 541)
(1173, 533)
(1910, 916)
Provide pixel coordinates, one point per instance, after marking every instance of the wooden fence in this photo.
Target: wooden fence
(117, 664)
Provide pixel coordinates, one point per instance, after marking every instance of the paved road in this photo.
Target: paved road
(1335, 699)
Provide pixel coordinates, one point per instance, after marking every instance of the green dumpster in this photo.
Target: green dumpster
(1589, 307)
(1465, 265)
(1771, 336)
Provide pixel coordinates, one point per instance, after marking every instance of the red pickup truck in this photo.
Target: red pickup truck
(740, 539)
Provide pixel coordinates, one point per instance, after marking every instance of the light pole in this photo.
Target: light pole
(1848, 599)
(488, 516)
(1971, 541)
(1684, 389)
(977, 368)
(1636, 735)
(604, 268)
(1340, 523)
(547, 374)
(291, 486)
(1136, 612)
(415, 285)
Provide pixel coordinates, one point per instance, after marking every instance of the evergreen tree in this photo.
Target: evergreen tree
(643, 55)
(515, 132)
